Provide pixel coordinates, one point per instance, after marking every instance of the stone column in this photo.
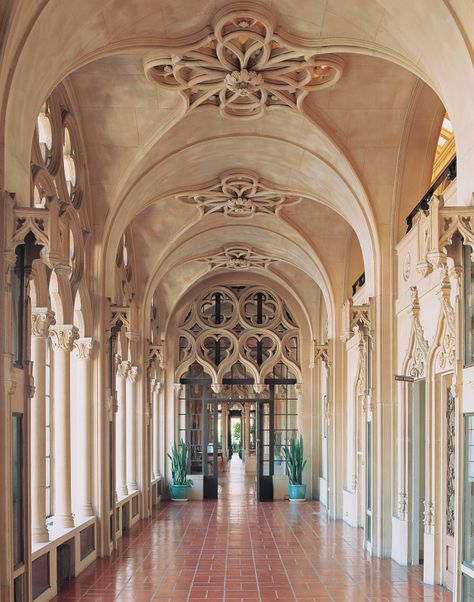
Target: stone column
(131, 426)
(121, 431)
(62, 338)
(155, 391)
(82, 460)
(41, 320)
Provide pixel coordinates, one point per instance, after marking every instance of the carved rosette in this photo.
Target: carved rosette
(84, 348)
(239, 195)
(243, 67)
(63, 337)
(41, 320)
(237, 258)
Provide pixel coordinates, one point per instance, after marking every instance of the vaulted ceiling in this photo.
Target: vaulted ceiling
(339, 149)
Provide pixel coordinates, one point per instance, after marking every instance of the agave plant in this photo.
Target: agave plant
(179, 464)
(294, 460)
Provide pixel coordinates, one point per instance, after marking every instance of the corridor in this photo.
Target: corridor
(239, 550)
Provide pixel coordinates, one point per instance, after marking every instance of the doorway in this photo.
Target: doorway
(417, 471)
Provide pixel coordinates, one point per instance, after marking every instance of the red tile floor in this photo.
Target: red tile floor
(237, 549)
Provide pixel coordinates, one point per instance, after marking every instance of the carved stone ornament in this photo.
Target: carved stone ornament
(402, 505)
(447, 354)
(237, 258)
(123, 369)
(407, 267)
(84, 348)
(320, 353)
(420, 349)
(428, 515)
(63, 337)
(242, 66)
(240, 195)
(132, 374)
(41, 320)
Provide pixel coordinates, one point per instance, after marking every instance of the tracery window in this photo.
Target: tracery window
(245, 326)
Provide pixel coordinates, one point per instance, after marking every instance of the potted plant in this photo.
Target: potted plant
(179, 464)
(294, 466)
(277, 459)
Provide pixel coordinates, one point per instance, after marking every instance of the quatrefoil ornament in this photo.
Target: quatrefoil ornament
(243, 67)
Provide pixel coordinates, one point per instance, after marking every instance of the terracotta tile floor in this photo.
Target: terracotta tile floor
(239, 550)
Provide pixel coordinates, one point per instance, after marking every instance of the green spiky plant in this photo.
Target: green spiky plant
(294, 460)
(179, 464)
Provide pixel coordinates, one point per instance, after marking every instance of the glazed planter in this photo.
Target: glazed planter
(297, 493)
(179, 493)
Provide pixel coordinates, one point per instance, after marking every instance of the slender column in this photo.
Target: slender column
(82, 454)
(121, 430)
(155, 391)
(62, 338)
(41, 320)
(247, 429)
(131, 426)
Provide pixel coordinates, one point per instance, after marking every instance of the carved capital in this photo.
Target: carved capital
(402, 505)
(132, 374)
(41, 320)
(63, 336)
(123, 369)
(84, 348)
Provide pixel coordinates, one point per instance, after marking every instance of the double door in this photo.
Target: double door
(265, 441)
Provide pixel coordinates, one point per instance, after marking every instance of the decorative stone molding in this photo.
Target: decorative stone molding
(63, 337)
(319, 353)
(41, 320)
(240, 195)
(359, 316)
(419, 356)
(119, 316)
(243, 66)
(155, 385)
(354, 483)
(157, 353)
(237, 258)
(84, 348)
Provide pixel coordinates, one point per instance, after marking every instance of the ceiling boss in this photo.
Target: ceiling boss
(242, 66)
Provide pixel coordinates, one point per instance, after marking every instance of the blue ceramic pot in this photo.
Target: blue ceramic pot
(297, 493)
(179, 493)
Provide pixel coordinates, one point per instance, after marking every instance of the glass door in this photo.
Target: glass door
(265, 448)
(210, 421)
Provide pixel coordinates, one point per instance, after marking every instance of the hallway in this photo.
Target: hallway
(239, 550)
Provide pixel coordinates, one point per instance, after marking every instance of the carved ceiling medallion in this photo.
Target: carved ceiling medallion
(237, 258)
(242, 66)
(240, 194)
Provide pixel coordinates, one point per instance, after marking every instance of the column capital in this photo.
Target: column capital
(84, 348)
(177, 388)
(155, 385)
(132, 374)
(123, 369)
(63, 336)
(41, 320)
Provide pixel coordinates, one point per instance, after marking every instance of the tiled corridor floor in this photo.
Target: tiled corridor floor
(237, 549)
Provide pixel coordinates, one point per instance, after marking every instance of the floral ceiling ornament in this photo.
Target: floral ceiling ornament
(242, 66)
(237, 258)
(240, 194)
